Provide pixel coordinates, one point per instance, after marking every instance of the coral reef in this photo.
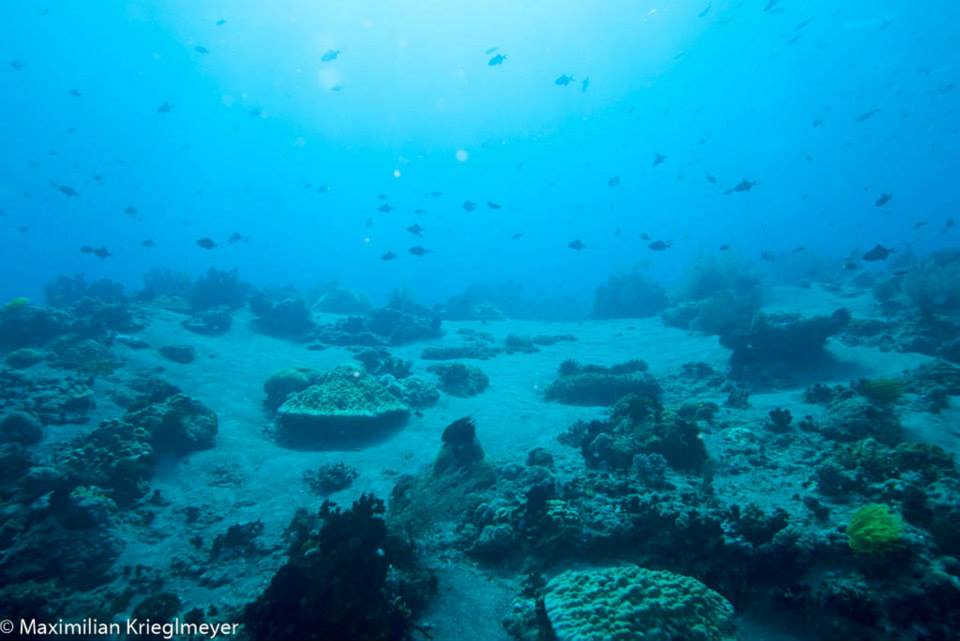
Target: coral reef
(458, 379)
(718, 297)
(874, 530)
(330, 478)
(285, 318)
(340, 406)
(578, 384)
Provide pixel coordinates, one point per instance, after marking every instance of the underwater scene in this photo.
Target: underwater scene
(484, 320)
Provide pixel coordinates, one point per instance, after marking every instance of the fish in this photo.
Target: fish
(496, 60)
(768, 256)
(563, 80)
(878, 253)
(206, 243)
(16, 65)
(920, 223)
(724, 248)
(797, 250)
(711, 179)
(614, 181)
(817, 123)
(383, 196)
(576, 245)
(771, 4)
(130, 211)
(417, 250)
(867, 115)
(201, 49)
(419, 210)
(706, 10)
(67, 190)
(147, 243)
(490, 50)
(330, 55)
(469, 205)
(493, 205)
(388, 256)
(165, 108)
(644, 236)
(584, 85)
(416, 230)
(323, 189)
(660, 245)
(221, 22)
(385, 208)
(883, 200)
(75, 93)
(658, 159)
(949, 224)
(99, 252)
(850, 265)
(742, 186)
(236, 237)
(516, 236)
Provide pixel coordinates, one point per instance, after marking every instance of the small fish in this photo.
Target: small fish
(658, 159)
(742, 186)
(206, 243)
(797, 250)
(584, 85)
(768, 256)
(771, 4)
(67, 190)
(469, 205)
(706, 10)
(490, 50)
(256, 112)
(660, 245)
(644, 236)
(323, 189)
(877, 253)
(99, 252)
(130, 211)
(563, 80)
(16, 65)
(147, 243)
(867, 115)
(850, 265)
(920, 223)
(385, 208)
(237, 237)
(883, 200)
(165, 108)
(496, 60)
(201, 49)
(576, 245)
(416, 230)
(949, 224)
(330, 55)
(382, 196)
(417, 250)
(711, 179)
(493, 205)
(419, 210)
(516, 236)
(75, 93)
(724, 248)
(221, 22)
(388, 256)
(614, 181)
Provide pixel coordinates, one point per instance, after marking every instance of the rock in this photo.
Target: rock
(461, 449)
(20, 427)
(539, 457)
(24, 357)
(343, 405)
(183, 354)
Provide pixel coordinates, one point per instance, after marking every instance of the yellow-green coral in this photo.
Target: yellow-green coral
(883, 391)
(874, 529)
(16, 303)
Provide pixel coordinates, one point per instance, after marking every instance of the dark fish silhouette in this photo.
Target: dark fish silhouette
(496, 60)
(850, 265)
(576, 245)
(469, 205)
(711, 179)
(817, 123)
(330, 55)
(768, 256)
(99, 252)
(130, 211)
(949, 224)
(563, 80)
(206, 243)
(658, 159)
(148, 243)
(388, 256)
(660, 245)
(867, 115)
(920, 223)
(883, 200)
(221, 22)
(385, 208)
(703, 14)
(382, 196)
(493, 205)
(584, 85)
(165, 108)
(877, 253)
(416, 230)
(201, 49)
(742, 186)
(644, 236)
(516, 236)
(724, 248)
(614, 181)
(67, 190)
(490, 50)
(417, 250)
(236, 237)
(16, 65)
(75, 93)
(797, 250)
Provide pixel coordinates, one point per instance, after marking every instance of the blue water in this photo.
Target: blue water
(256, 126)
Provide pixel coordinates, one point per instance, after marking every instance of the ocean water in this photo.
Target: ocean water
(480, 320)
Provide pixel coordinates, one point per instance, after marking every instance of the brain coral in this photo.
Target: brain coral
(631, 603)
(342, 404)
